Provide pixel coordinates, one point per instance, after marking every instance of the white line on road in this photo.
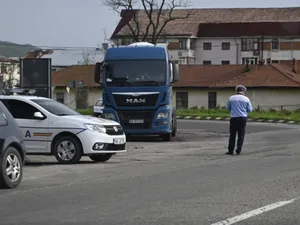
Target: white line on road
(255, 212)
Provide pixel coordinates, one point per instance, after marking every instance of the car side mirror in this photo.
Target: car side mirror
(38, 115)
(98, 71)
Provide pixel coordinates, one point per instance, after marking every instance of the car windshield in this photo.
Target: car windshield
(55, 107)
(136, 73)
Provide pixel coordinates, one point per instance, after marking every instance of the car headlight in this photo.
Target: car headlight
(95, 127)
(109, 116)
(163, 115)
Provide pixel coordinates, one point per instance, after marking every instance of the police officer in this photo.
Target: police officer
(239, 105)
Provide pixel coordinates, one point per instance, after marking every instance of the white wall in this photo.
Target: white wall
(216, 55)
(265, 98)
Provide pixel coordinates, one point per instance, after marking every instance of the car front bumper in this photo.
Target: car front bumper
(98, 143)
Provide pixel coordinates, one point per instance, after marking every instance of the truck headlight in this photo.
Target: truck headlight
(95, 127)
(109, 116)
(163, 115)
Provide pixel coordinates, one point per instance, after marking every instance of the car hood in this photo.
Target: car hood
(91, 120)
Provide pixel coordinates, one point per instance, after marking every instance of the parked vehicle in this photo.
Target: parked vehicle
(51, 128)
(12, 150)
(137, 90)
(98, 108)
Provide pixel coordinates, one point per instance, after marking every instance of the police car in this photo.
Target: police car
(51, 128)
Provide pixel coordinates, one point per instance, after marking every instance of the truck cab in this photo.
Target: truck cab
(137, 91)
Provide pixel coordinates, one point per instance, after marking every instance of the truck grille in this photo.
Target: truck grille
(126, 116)
(130, 100)
(110, 130)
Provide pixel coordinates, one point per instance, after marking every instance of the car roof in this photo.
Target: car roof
(22, 97)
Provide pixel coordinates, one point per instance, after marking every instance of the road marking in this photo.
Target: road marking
(255, 212)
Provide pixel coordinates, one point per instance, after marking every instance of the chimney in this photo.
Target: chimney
(295, 69)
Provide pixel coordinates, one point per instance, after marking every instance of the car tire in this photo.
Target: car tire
(68, 150)
(101, 158)
(11, 158)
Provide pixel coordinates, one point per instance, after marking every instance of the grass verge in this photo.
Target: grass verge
(264, 115)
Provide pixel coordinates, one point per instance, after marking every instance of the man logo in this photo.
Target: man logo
(116, 129)
(135, 100)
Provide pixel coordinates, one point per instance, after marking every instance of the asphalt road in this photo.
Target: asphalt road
(186, 181)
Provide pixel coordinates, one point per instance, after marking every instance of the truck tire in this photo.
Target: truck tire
(67, 150)
(101, 158)
(167, 137)
(174, 130)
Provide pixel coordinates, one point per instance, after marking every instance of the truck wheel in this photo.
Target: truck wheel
(167, 137)
(11, 169)
(174, 130)
(101, 158)
(67, 150)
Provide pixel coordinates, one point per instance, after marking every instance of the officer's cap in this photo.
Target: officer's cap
(240, 88)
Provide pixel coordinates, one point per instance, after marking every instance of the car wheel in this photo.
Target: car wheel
(11, 168)
(101, 157)
(67, 150)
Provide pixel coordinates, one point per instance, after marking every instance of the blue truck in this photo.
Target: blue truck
(137, 92)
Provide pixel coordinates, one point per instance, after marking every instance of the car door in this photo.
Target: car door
(35, 129)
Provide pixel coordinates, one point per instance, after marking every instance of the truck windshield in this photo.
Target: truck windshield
(136, 73)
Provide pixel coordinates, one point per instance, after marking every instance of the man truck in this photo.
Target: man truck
(136, 89)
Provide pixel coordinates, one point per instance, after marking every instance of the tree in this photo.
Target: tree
(8, 69)
(158, 14)
(88, 58)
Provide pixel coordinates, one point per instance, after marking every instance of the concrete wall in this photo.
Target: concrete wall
(69, 98)
(265, 98)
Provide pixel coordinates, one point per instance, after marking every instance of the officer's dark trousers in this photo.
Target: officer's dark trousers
(237, 125)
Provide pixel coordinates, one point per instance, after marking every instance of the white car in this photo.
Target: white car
(98, 108)
(51, 128)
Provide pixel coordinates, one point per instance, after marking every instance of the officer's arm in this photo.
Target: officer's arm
(228, 105)
(249, 107)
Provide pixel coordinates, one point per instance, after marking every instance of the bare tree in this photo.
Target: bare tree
(88, 58)
(158, 14)
(9, 69)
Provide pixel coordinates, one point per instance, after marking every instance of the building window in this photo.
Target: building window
(193, 44)
(226, 46)
(225, 62)
(212, 100)
(206, 62)
(250, 60)
(275, 44)
(182, 60)
(247, 44)
(192, 61)
(206, 46)
(182, 99)
(60, 97)
(182, 44)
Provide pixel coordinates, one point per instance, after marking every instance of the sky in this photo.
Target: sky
(81, 23)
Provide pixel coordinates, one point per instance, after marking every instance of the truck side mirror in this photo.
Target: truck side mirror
(97, 72)
(176, 75)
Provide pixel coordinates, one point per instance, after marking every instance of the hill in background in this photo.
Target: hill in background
(10, 49)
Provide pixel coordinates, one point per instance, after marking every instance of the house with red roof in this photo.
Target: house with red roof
(269, 86)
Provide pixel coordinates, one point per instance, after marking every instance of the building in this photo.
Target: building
(79, 98)
(10, 70)
(225, 35)
(275, 86)
(272, 85)
(64, 57)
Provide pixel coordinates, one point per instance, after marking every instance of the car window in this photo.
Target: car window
(55, 107)
(20, 109)
(99, 103)
(3, 120)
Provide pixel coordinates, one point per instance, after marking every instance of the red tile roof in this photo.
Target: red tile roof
(83, 73)
(218, 15)
(270, 75)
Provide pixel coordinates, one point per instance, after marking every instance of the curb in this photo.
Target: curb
(227, 119)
